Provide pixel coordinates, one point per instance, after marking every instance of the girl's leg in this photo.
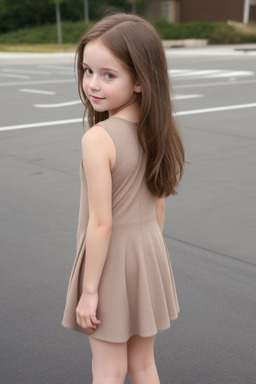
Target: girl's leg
(141, 360)
(109, 362)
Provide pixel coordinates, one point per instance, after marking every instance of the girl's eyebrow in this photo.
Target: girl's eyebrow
(109, 70)
(102, 69)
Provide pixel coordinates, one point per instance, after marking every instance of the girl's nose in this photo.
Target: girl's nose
(94, 83)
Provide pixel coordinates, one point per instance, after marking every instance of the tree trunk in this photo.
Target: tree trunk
(86, 11)
(58, 20)
(38, 13)
(134, 8)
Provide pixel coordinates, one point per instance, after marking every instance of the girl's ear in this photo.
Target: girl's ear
(137, 88)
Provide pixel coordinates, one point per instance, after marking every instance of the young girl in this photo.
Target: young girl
(121, 291)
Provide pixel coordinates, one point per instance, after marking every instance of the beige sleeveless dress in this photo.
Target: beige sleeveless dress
(137, 294)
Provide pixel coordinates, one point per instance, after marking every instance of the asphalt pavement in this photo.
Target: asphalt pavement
(209, 230)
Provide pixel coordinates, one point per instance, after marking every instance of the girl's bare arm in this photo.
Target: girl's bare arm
(98, 149)
(160, 212)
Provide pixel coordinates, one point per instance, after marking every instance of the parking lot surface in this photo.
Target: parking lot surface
(209, 229)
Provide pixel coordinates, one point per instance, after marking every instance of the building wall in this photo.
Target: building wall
(211, 10)
(200, 10)
(153, 11)
(253, 13)
(163, 9)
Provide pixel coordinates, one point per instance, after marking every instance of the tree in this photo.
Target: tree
(17, 14)
(86, 11)
(134, 4)
(58, 21)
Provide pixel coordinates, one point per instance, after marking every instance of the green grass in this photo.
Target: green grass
(44, 39)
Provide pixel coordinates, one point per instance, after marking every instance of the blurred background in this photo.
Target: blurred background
(35, 21)
(210, 225)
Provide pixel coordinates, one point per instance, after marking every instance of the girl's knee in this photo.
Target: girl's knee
(111, 373)
(117, 370)
(140, 354)
(142, 365)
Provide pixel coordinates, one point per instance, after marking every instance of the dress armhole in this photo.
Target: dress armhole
(115, 145)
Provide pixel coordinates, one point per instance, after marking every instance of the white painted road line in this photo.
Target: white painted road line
(61, 81)
(215, 84)
(56, 67)
(67, 73)
(217, 109)
(37, 91)
(75, 102)
(184, 97)
(16, 76)
(66, 104)
(185, 74)
(45, 124)
(182, 113)
(17, 70)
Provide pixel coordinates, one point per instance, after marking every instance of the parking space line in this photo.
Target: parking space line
(56, 67)
(213, 84)
(79, 120)
(216, 109)
(44, 124)
(7, 84)
(17, 70)
(184, 97)
(186, 74)
(66, 104)
(37, 91)
(16, 76)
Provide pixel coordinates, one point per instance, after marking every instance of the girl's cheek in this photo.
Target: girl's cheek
(84, 85)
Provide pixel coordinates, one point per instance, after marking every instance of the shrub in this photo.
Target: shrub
(216, 33)
(71, 33)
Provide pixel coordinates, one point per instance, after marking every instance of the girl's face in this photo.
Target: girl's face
(106, 82)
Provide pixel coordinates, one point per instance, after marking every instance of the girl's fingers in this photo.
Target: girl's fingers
(95, 321)
(87, 323)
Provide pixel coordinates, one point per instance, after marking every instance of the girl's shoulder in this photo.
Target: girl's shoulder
(97, 142)
(94, 136)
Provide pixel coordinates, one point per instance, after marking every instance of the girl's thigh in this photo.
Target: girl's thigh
(141, 360)
(140, 352)
(108, 359)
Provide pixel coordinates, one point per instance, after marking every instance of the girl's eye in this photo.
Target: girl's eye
(109, 76)
(88, 71)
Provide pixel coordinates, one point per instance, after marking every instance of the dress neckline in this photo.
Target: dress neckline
(126, 121)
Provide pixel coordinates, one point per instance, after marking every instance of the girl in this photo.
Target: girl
(121, 291)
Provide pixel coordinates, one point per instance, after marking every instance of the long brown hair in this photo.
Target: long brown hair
(135, 42)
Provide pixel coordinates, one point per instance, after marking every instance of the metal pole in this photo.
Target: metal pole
(86, 11)
(134, 8)
(58, 19)
(246, 11)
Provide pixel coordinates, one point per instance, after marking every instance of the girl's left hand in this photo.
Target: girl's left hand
(86, 312)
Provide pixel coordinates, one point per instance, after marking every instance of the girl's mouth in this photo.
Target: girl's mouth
(95, 98)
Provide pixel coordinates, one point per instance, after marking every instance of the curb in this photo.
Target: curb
(185, 43)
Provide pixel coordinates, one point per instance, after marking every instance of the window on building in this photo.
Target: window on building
(166, 10)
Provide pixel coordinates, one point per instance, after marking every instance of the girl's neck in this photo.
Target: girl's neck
(130, 113)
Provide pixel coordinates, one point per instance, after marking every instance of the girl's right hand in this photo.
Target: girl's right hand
(86, 312)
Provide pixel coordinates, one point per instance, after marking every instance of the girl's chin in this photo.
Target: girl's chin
(99, 109)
